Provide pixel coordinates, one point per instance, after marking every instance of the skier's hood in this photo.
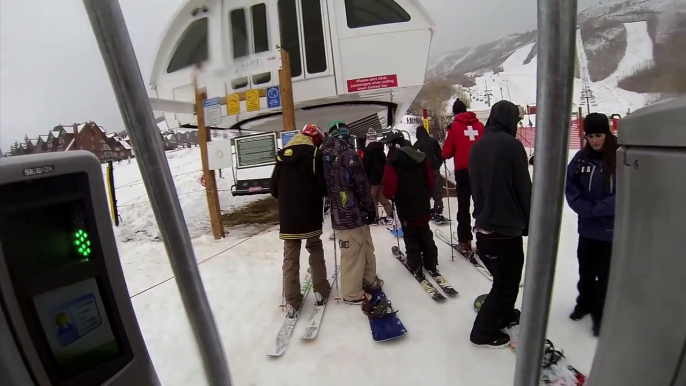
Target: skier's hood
(375, 144)
(467, 118)
(421, 132)
(406, 156)
(335, 145)
(298, 147)
(504, 116)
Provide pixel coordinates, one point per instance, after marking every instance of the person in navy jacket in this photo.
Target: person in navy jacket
(591, 191)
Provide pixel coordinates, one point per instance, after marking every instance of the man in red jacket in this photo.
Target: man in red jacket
(464, 132)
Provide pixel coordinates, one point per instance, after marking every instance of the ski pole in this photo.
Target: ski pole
(450, 221)
(395, 225)
(335, 262)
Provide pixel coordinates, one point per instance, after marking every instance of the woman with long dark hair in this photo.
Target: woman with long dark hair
(591, 192)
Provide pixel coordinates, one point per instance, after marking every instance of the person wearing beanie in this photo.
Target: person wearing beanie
(501, 184)
(352, 211)
(463, 134)
(590, 192)
(374, 161)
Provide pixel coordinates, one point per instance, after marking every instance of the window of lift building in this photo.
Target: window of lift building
(313, 31)
(368, 13)
(290, 39)
(193, 47)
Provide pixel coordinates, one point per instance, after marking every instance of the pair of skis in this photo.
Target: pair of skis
(472, 258)
(556, 368)
(425, 283)
(313, 322)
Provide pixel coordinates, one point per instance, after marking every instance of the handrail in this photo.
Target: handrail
(117, 52)
(556, 50)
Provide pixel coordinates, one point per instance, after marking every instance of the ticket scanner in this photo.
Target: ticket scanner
(65, 313)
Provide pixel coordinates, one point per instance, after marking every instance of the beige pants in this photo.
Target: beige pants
(358, 263)
(378, 197)
(291, 269)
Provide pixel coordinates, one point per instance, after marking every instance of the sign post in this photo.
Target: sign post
(210, 179)
(288, 105)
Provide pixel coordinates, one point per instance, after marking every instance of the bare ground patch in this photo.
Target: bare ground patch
(261, 214)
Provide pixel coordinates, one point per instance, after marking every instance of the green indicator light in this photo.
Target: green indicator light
(85, 235)
(88, 243)
(77, 242)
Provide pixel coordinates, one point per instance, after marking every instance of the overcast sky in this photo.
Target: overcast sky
(51, 70)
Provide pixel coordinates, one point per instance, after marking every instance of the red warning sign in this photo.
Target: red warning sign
(372, 83)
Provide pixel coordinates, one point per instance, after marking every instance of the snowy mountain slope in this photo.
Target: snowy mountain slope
(625, 43)
(605, 96)
(638, 54)
(476, 60)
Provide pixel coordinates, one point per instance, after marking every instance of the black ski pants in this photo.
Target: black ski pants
(594, 272)
(437, 193)
(464, 203)
(420, 248)
(504, 257)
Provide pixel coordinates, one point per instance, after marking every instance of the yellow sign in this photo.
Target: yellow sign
(233, 104)
(426, 125)
(252, 99)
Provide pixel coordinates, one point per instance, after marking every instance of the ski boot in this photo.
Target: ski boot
(439, 219)
(419, 274)
(291, 312)
(319, 299)
(465, 249)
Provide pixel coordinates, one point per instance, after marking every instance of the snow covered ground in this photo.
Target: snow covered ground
(242, 277)
(138, 222)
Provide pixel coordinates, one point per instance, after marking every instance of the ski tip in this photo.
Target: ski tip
(310, 333)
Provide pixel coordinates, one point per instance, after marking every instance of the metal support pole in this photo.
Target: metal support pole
(117, 52)
(556, 50)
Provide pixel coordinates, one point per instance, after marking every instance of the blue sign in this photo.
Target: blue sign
(211, 102)
(273, 97)
(286, 137)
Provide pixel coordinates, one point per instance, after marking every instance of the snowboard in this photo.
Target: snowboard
(386, 327)
(556, 368)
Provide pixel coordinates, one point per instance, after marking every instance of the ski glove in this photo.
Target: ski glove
(371, 217)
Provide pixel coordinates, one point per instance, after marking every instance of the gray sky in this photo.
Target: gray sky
(51, 70)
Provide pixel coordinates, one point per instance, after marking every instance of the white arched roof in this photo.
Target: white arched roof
(172, 33)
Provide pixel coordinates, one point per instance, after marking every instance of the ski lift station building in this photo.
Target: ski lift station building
(362, 61)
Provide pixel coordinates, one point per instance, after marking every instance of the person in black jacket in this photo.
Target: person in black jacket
(298, 184)
(374, 161)
(432, 149)
(501, 186)
(408, 181)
